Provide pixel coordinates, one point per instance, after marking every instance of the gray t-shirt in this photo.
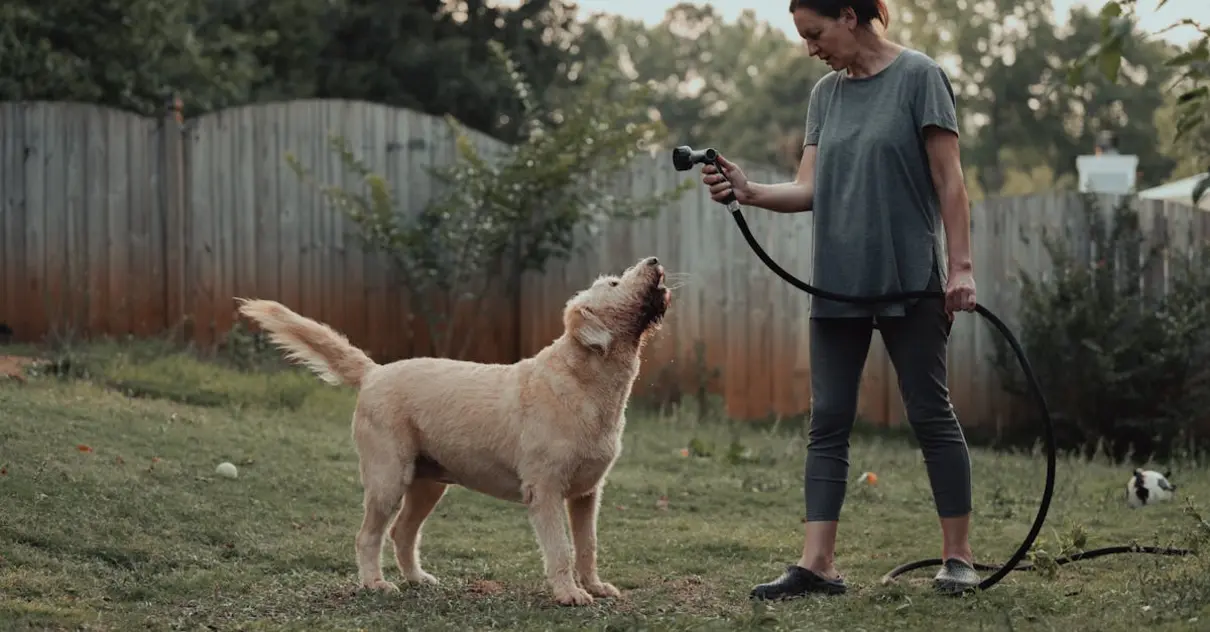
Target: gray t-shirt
(877, 214)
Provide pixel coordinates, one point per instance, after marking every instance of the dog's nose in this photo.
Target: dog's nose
(652, 261)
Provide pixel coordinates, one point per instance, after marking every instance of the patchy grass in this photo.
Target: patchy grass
(111, 518)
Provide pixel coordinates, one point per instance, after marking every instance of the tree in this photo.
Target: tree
(1009, 65)
(740, 86)
(1192, 86)
(427, 55)
(298, 33)
(496, 218)
(434, 57)
(1089, 102)
(131, 54)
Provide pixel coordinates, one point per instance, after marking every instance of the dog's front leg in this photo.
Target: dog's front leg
(549, 520)
(583, 512)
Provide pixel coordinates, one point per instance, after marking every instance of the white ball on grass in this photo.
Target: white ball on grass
(1147, 487)
(227, 469)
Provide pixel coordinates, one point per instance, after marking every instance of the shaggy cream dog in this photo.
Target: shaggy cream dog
(544, 431)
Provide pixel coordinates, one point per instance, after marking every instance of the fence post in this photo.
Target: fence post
(174, 207)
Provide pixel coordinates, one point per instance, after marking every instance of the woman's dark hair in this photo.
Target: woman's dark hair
(866, 10)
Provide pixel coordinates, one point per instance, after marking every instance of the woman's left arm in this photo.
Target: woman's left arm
(945, 165)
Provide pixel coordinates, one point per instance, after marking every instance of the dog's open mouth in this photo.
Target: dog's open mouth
(657, 300)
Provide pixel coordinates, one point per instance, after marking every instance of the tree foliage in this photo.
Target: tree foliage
(1010, 64)
(435, 57)
(496, 217)
(741, 86)
(128, 54)
(1193, 84)
(430, 56)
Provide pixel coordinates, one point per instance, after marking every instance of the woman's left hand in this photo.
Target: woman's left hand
(960, 292)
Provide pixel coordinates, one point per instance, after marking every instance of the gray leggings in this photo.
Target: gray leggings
(916, 344)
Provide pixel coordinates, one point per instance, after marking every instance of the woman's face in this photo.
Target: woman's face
(831, 40)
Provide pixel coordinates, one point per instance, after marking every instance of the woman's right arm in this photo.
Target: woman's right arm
(797, 196)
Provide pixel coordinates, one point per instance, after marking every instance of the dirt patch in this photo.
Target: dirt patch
(485, 587)
(690, 591)
(13, 367)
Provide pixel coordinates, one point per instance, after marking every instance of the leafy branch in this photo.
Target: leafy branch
(1193, 102)
(496, 217)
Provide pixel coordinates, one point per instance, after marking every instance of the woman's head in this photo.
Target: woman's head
(832, 28)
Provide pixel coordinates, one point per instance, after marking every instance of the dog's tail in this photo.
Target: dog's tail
(318, 346)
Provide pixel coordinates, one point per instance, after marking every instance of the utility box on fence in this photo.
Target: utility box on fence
(1107, 173)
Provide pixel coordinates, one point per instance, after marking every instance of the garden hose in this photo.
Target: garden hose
(685, 157)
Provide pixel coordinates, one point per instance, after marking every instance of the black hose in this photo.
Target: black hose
(1034, 386)
(684, 157)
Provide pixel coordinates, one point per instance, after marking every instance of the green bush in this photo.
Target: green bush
(496, 217)
(1123, 367)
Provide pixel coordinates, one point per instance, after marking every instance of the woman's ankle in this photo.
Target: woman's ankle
(822, 566)
(962, 552)
(818, 546)
(955, 541)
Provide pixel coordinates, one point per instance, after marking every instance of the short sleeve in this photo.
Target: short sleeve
(935, 100)
(814, 116)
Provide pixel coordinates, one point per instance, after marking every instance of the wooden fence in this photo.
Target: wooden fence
(118, 224)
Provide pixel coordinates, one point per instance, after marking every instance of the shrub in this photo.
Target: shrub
(497, 217)
(1123, 366)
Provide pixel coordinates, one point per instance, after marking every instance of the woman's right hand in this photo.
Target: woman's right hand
(721, 187)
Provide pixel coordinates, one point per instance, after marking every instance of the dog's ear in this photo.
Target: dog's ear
(587, 328)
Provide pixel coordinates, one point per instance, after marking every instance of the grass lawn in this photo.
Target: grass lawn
(112, 518)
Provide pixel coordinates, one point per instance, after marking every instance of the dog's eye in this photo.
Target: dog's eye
(613, 284)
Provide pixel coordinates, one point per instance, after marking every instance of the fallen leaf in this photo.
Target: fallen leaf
(83, 448)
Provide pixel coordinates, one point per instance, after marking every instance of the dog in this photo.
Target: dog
(544, 432)
(1147, 487)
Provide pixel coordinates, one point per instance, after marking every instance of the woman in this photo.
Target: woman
(881, 171)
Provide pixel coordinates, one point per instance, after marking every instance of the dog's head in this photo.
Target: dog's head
(619, 310)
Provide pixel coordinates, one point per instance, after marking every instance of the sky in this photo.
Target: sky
(775, 12)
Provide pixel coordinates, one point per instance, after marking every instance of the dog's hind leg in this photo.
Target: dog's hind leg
(421, 497)
(583, 513)
(548, 515)
(386, 472)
